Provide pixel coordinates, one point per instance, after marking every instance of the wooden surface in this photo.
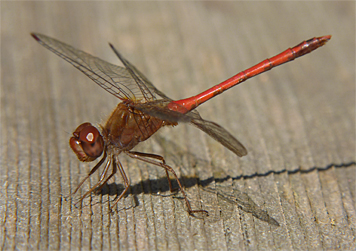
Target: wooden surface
(297, 122)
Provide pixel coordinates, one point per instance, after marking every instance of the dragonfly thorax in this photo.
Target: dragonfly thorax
(126, 127)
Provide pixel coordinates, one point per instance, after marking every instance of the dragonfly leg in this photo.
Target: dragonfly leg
(114, 170)
(117, 164)
(100, 182)
(161, 159)
(145, 157)
(90, 173)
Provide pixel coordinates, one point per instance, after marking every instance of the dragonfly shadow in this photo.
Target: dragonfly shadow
(226, 197)
(158, 186)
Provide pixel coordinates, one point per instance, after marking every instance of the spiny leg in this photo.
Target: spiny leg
(143, 157)
(126, 181)
(91, 172)
(114, 170)
(102, 176)
(160, 158)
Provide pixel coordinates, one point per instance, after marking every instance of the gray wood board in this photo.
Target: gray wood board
(297, 123)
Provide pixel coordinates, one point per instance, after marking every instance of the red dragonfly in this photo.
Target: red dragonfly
(144, 109)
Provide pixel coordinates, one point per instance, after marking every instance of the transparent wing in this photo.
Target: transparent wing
(124, 83)
(138, 76)
(159, 109)
(218, 133)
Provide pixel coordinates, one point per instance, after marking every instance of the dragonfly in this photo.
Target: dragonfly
(143, 110)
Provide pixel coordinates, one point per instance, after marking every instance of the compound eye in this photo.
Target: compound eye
(89, 134)
(87, 143)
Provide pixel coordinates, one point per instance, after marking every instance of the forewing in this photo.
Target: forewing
(150, 89)
(115, 79)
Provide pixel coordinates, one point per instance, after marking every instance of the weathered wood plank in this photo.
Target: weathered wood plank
(297, 122)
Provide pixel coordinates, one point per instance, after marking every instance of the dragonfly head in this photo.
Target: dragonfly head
(86, 142)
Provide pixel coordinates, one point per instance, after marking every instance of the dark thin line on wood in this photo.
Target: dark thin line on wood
(295, 171)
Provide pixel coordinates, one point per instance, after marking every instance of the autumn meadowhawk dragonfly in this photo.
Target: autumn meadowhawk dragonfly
(143, 109)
